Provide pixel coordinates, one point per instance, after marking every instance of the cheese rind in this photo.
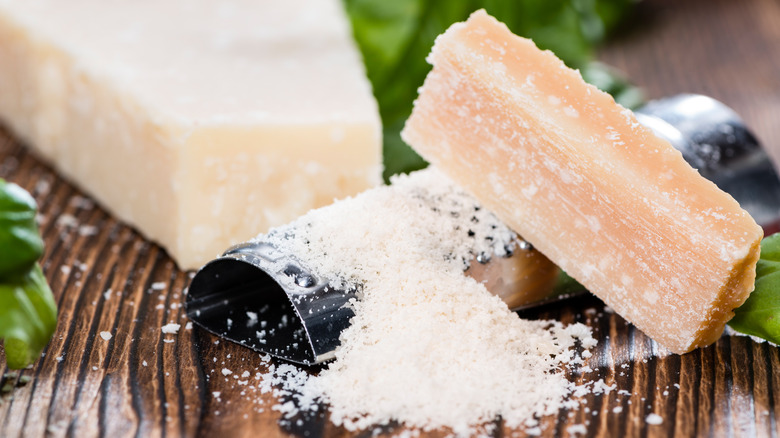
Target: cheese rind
(201, 130)
(577, 176)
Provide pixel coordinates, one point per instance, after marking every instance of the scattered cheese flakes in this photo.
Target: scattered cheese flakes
(251, 319)
(600, 387)
(88, 230)
(226, 372)
(654, 419)
(171, 328)
(81, 202)
(534, 431)
(42, 187)
(158, 285)
(105, 335)
(66, 221)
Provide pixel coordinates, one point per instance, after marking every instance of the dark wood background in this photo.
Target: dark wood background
(144, 383)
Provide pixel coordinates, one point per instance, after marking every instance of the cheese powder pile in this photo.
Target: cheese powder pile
(428, 346)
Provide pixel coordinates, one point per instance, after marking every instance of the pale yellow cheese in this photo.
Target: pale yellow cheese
(575, 174)
(200, 122)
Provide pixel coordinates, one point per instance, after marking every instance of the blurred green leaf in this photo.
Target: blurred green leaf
(28, 313)
(396, 36)
(20, 244)
(28, 317)
(613, 82)
(760, 314)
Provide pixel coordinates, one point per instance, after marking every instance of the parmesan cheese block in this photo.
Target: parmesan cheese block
(575, 174)
(202, 123)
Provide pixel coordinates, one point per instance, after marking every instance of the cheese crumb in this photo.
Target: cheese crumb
(66, 221)
(81, 202)
(654, 419)
(88, 230)
(171, 328)
(105, 335)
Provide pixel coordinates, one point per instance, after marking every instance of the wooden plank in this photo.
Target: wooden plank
(141, 382)
(726, 49)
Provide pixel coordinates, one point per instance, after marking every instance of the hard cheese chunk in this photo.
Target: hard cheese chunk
(201, 123)
(575, 174)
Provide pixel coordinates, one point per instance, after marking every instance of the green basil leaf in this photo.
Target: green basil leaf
(760, 314)
(19, 239)
(28, 317)
(396, 36)
(612, 81)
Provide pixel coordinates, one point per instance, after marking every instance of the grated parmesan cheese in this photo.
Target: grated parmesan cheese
(654, 419)
(171, 328)
(428, 346)
(577, 429)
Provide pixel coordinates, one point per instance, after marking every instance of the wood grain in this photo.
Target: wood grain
(140, 382)
(726, 49)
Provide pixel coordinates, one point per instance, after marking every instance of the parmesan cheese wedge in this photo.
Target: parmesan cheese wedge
(575, 174)
(201, 123)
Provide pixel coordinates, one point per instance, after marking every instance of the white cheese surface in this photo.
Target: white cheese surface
(215, 62)
(202, 123)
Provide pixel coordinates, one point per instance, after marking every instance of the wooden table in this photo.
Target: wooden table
(140, 382)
